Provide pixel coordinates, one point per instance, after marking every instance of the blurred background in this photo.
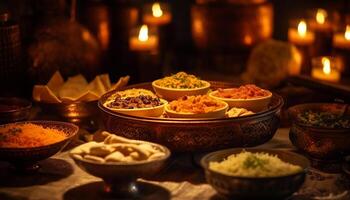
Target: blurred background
(211, 38)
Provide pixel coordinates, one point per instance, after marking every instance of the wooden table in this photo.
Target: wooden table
(60, 178)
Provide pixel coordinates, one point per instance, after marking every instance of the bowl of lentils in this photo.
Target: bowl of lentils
(135, 102)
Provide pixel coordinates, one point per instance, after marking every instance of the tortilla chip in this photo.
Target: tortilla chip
(122, 82)
(74, 87)
(106, 81)
(56, 82)
(86, 96)
(42, 93)
(96, 86)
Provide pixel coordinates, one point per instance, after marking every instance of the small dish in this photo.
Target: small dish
(25, 159)
(121, 178)
(174, 93)
(143, 112)
(254, 104)
(14, 109)
(217, 114)
(255, 188)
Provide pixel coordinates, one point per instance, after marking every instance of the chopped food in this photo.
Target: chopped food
(248, 164)
(133, 98)
(196, 104)
(238, 112)
(116, 149)
(28, 135)
(249, 91)
(323, 119)
(181, 80)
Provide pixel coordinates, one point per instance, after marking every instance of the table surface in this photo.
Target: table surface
(60, 178)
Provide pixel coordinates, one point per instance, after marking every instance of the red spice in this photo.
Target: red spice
(243, 92)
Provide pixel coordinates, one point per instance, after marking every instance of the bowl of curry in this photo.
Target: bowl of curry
(25, 143)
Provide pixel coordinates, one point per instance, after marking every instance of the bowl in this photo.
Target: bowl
(143, 112)
(328, 144)
(14, 109)
(173, 93)
(25, 159)
(254, 104)
(121, 178)
(196, 135)
(219, 113)
(235, 187)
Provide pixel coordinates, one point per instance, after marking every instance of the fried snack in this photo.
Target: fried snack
(117, 149)
(238, 112)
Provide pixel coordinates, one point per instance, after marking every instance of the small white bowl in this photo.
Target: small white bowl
(142, 112)
(254, 104)
(174, 93)
(219, 113)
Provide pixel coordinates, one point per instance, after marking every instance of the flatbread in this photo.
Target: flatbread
(106, 81)
(122, 82)
(44, 94)
(96, 86)
(56, 82)
(73, 88)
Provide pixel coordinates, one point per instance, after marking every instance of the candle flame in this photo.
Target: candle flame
(321, 16)
(326, 65)
(157, 10)
(302, 28)
(143, 34)
(347, 32)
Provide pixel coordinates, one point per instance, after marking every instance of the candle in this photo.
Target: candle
(301, 35)
(342, 40)
(320, 21)
(143, 41)
(326, 71)
(157, 14)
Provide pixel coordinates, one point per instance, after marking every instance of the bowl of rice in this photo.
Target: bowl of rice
(179, 85)
(255, 173)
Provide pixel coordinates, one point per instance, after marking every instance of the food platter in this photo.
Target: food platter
(196, 135)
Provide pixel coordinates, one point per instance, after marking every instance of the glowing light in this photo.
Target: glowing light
(143, 34)
(347, 32)
(326, 65)
(302, 28)
(321, 16)
(157, 10)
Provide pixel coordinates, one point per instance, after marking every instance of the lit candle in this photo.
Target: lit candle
(157, 14)
(301, 35)
(143, 41)
(342, 40)
(326, 71)
(320, 21)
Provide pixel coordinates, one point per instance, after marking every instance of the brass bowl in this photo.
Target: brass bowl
(319, 143)
(14, 109)
(121, 178)
(25, 159)
(255, 188)
(189, 135)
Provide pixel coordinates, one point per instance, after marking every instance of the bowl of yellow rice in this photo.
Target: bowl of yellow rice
(255, 173)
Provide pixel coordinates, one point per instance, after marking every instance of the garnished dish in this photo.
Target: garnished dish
(323, 119)
(179, 85)
(116, 149)
(201, 106)
(255, 173)
(260, 164)
(28, 135)
(248, 96)
(137, 102)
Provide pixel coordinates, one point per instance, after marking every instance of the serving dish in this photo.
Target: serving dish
(121, 178)
(254, 104)
(318, 142)
(14, 109)
(25, 159)
(255, 188)
(184, 135)
(174, 93)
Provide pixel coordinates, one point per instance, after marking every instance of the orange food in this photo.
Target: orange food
(196, 104)
(243, 92)
(28, 135)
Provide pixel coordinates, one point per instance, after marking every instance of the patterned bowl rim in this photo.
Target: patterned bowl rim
(258, 115)
(69, 136)
(27, 104)
(206, 159)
